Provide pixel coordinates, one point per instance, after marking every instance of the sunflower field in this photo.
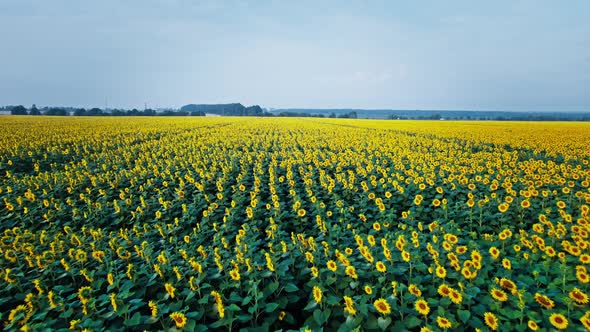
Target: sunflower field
(256, 224)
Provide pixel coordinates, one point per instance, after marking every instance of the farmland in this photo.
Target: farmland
(252, 223)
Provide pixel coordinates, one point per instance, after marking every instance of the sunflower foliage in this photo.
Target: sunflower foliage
(267, 224)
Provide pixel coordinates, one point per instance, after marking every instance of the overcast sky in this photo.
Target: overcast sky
(493, 55)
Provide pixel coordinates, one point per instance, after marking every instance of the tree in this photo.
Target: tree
(56, 111)
(18, 110)
(94, 112)
(80, 112)
(34, 110)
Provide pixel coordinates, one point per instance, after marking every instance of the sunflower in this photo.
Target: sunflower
(422, 307)
(503, 207)
(377, 226)
(582, 277)
(508, 285)
(455, 296)
(179, 319)
(282, 315)
(441, 272)
(382, 306)
(443, 323)
(491, 320)
(499, 295)
(314, 271)
(351, 272)
(559, 321)
(544, 301)
(332, 266)
(506, 264)
(154, 308)
(368, 290)
(414, 290)
(380, 266)
(533, 325)
(525, 204)
(578, 296)
(585, 320)
(170, 289)
(406, 256)
(235, 274)
(444, 290)
(317, 294)
(301, 212)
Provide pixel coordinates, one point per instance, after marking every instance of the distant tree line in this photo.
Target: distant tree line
(237, 109)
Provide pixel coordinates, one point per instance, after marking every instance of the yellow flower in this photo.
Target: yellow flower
(441, 272)
(351, 272)
(380, 266)
(179, 319)
(317, 294)
(170, 289)
(544, 301)
(533, 325)
(368, 290)
(414, 290)
(491, 320)
(422, 307)
(235, 274)
(332, 266)
(578, 296)
(382, 306)
(113, 298)
(443, 323)
(154, 308)
(558, 321)
(499, 295)
(455, 296)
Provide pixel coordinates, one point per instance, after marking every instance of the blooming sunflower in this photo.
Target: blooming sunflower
(578, 296)
(170, 289)
(414, 290)
(351, 272)
(332, 265)
(317, 294)
(382, 306)
(422, 307)
(380, 266)
(441, 272)
(443, 323)
(491, 320)
(179, 319)
(499, 295)
(455, 296)
(558, 321)
(533, 325)
(444, 290)
(544, 301)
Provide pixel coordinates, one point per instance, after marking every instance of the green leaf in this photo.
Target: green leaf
(233, 307)
(464, 315)
(383, 322)
(412, 321)
(317, 316)
(291, 287)
(270, 307)
(134, 320)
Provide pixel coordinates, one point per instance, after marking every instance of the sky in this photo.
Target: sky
(530, 55)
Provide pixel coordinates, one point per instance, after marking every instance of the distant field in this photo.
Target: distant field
(223, 223)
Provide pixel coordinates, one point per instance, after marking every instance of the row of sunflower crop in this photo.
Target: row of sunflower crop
(258, 224)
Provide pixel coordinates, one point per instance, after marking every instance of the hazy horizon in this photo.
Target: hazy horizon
(374, 55)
